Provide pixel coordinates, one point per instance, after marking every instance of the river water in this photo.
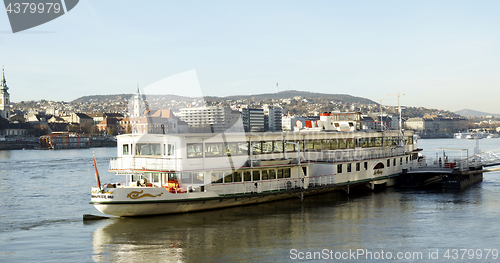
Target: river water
(43, 195)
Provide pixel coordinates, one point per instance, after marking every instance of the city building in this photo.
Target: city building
(435, 124)
(210, 118)
(253, 119)
(274, 122)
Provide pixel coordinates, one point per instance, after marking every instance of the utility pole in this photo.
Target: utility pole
(399, 108)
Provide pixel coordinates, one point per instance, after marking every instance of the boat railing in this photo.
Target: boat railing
(440, 164)
(253, 187)
(362, 154)
(158, 164)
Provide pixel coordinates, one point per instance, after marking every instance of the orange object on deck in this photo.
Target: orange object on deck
(173, 187)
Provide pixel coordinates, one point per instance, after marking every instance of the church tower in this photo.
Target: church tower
(138, 110)
(4, 98)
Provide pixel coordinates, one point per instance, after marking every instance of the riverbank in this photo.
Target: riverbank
(22, 145)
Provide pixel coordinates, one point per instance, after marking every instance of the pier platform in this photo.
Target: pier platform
(450, 172)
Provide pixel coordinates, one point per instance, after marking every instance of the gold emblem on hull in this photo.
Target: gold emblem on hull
(137, 195)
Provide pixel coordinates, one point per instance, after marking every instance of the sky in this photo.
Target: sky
(440, 54)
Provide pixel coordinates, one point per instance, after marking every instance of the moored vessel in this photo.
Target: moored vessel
(175, 173)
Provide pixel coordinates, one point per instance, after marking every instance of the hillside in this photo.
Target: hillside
(294, 93)
(473, 113)
(280, 95)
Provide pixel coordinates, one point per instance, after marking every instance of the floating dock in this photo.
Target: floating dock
(456, 174)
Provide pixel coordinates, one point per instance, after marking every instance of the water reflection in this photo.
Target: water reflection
(260, 231)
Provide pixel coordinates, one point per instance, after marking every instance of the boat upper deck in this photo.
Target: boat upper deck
(174, 152)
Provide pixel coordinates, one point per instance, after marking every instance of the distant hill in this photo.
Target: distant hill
(473, 113)
(293, 93)
(280, 95)
(102, 98)
(122, 97)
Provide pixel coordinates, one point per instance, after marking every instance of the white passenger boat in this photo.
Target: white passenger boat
(461, 135)
(175, 173)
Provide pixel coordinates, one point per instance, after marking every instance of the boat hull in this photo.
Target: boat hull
(159, 207)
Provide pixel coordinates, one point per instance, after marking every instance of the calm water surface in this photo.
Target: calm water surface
(43, 195)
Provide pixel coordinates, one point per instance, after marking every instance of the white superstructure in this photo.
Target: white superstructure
(175, 173)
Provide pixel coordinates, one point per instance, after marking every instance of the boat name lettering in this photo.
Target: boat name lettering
(137, 195)
(102, 196)
(377, 172)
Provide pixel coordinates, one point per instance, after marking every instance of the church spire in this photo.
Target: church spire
(3, 82)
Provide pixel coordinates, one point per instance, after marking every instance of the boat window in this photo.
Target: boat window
(394, 162)
(290, 147)
(228, 178)
(317, 144)
(278, 146)
(265, 174)
(257, 147)
(366, 165)
(364, 142)
(194, 150)
(401, 161)
(236, 148)
(243, 148)
(388, 162)
(256, 175)
(280, 173)
(378, 141)
(247, 176)
(213, 149)
(309, 145)
(169, 149)
(272, 174)
(186, 178)
(339, 168)
(147, 149)
(334, 144)
(126, 150)
(198, 178)
(371, 142)
(134, 177)
(379, 166)
(172, 176)
(326, 144)
(350, 143)
(304, 171)
(237, 176)
(217, 177)
(349, 168)
(342, 144)
(267, 147)
(406, 159)
(358, 167)
(301, 146)
(231, 149)
(286, 173)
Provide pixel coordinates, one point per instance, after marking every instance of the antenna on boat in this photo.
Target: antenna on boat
(96, 173)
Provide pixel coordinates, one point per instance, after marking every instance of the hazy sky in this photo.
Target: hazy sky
(441, 54)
